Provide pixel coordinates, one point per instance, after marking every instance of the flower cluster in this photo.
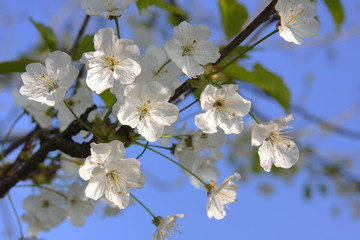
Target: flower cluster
(143, 85)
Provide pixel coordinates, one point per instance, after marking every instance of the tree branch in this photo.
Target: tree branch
(61, 141)
(260, 19)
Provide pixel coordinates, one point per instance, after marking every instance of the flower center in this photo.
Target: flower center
(111, 62)
(116, 180)
(220, 105)
(45, 204)
(279, 138)
(294, 16)
(50, 83)
(188, 49)
(144, 110)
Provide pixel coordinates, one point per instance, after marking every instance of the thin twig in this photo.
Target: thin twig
(79, 35)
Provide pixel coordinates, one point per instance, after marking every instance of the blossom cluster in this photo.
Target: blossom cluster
(143, 85)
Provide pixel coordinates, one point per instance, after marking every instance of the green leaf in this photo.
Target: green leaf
(108, 97)
(15, 66)
(86, 45)
(47, 34)
(337, 12)
(272, 84)
(233, 15)
(143, 4)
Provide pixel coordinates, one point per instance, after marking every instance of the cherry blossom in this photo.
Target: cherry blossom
(110, 174)
(221, 195)
(147, 109)
(275, 147)
(297, 20)
(48, 84)
(224, 107)
(78, 206)
(106, 8)
(189, 48)
(166, 227)
(113, 58)
(153, 61)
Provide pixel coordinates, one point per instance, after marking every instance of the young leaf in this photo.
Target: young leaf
(272, 84)
(143, 4)
(47, 34)
(14, 66)
(108, 97)
(337, 12)
(233, 15)
(86, 45)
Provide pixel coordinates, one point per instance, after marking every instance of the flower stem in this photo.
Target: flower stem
(117, 26)
(256, 120)
(142, 205)
(167, 148)
(158, 71)
(245, 51)
(189, 105)
(110, 130)
(153, 150)
(16, 215)
(81, 122)
(146, 145)
(7, 136)
(108, 112)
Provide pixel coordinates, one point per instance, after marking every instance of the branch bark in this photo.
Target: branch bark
(61, 141)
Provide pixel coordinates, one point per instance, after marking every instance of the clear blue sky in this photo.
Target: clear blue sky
(283, 215)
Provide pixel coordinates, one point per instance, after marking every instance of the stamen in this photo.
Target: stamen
(187, 50)
(116, 179)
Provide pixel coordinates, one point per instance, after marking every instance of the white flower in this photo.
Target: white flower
(112, 59)
(147, 109)
(297, 20)
(35, 225)
(36, 109)
(77, 206)
(170, 131)
(48, 84)
(79, 102)
(110, 174)
(199, 152)
(154, 58)
(189, 47)
(47, 208)
(210, 142)
(106, 8)
(206, 171)
(70, 164)
(221, 195)
(166, 227)
(223, 107)
(275, 148)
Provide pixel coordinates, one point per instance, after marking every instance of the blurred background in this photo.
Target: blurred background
(316, 199)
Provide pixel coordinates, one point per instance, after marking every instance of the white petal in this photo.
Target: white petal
(96, 187)
(265, 154)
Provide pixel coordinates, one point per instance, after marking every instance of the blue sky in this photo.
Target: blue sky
(282, 215)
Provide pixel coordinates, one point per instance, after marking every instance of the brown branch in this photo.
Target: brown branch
(79, 35)
(22, 140)
(61, 141)
(260, 19)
